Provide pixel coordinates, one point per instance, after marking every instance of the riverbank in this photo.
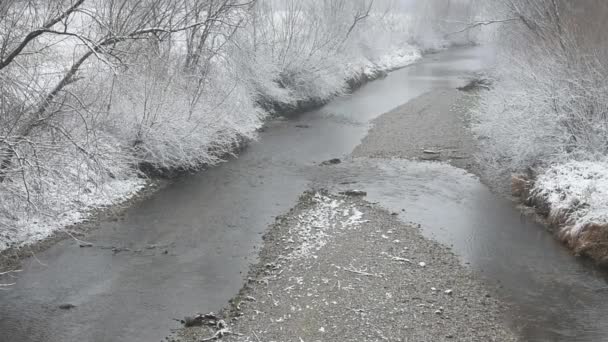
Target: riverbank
(338, 268)
(567, 199)
(79, 223)
(570, 199)
(34, 232)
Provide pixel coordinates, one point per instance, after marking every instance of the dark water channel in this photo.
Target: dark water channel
(210, 223)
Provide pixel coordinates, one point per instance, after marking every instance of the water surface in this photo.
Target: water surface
(210, 223)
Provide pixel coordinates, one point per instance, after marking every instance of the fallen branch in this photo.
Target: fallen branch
(9, 272)
(399, 259)
(4, 286)
(362, 272)
(396, 258)
(221, 332)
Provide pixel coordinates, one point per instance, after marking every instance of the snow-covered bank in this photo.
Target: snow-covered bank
(83, 122)
(68, 208)
(304, 87)
(574, 197)
(546, 115)
(71, 199)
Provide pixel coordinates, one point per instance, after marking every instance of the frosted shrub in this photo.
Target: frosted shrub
(167, 124)
(549, 103)
(160, 86)
(305, 52)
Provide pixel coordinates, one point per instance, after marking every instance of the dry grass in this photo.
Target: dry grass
(521, 186)
(590, 242)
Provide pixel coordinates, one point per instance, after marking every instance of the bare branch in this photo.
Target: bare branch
(32, 35)
(473, 25)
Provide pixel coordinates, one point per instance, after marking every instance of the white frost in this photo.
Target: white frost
(316, 225)
(578, 190)
(75, 207)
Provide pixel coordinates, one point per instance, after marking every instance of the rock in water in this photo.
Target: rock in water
(333, 161)
(354, 193)
(67, 306)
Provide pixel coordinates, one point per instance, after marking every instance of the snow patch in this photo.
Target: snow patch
(398, 58)
(316, 225)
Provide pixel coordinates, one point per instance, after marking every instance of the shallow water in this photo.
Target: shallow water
(553, 296)
(210, 223)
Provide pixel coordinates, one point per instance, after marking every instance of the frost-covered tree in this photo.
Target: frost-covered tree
(90, 89)
(549, 102)
(93, 92)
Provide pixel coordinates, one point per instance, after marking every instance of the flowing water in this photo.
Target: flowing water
(191, 243)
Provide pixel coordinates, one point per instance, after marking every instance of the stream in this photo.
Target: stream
(190, 245)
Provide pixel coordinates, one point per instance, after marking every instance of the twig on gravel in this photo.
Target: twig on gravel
(396, 258)
(362, 272)
(401, 259)
(219, 334)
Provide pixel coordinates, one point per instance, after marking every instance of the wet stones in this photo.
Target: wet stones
(67, 306)
(354, 193)
(209, 319)
(333, 161)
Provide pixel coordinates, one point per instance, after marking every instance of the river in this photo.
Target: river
(198, 236)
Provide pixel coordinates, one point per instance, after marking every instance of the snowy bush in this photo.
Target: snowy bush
(549, 102)
(304, 52)
(548, 113)
(92, 92)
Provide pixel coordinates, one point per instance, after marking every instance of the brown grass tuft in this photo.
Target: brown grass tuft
(592, 242)
(521, 186)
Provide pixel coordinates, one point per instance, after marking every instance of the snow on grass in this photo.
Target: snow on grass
(398, 58)
(394, 58)
(74, 206)
(316, 225)
(577, 191)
